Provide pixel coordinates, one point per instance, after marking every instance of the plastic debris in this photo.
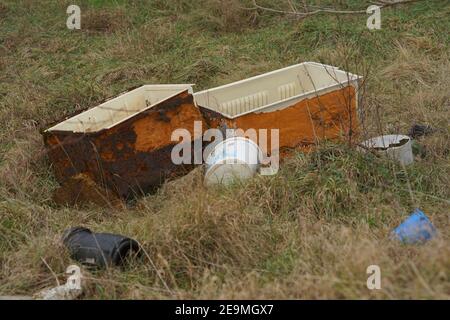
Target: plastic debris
(419, 130)
(233, 158)
(395, 146)
(416, 229)
(98, 249)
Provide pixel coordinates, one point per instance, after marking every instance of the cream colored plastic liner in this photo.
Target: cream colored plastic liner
(275, 90)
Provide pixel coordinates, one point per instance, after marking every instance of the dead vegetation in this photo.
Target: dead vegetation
(303, 10)
(105, 21)
(229, 16)
(3, 10)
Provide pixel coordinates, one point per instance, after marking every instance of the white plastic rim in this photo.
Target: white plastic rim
(402, 153)
(233, 158)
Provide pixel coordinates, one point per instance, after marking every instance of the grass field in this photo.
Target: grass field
(308, 232)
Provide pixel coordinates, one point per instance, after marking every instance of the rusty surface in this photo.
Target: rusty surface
(329, 116)
(81, 189)
(130, 158)
(134, 156)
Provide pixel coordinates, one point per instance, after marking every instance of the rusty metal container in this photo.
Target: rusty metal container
(122, 146)
(307, 102)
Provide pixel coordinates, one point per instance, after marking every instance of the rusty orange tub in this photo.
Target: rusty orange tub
(123, 145)
(306, 102)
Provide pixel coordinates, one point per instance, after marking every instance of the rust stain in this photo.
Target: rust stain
(154, 132)
(81, 189)
(130, 158)
(133, 157)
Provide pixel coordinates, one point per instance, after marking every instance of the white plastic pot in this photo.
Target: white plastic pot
(233, 158)
(395, 146)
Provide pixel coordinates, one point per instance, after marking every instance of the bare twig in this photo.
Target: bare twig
(51, 270)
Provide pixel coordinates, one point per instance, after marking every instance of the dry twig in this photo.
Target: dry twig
(316, 9)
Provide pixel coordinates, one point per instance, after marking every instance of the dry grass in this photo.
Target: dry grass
(3, 10)
(106, 21)
(308, 232)
(228, 16)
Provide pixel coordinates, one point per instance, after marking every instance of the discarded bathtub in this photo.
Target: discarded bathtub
(395, 146)
(232, 159)
(124, 144)
(306, 102)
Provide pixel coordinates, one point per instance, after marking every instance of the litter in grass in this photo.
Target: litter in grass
(123, 147)
(419, 130)
(236, 158)
(99, 249)
(416, 229)
(124, 144)
(395, 146)
(306, 102)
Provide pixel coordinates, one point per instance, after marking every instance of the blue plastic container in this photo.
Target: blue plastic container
(417, 228)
